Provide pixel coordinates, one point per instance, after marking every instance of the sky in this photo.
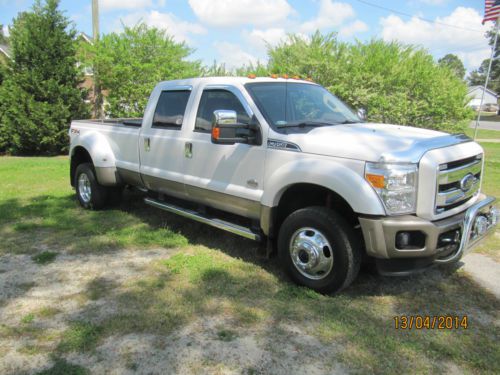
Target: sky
(235, 32)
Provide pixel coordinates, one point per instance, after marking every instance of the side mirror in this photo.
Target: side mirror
(362, 114)
(227, 131)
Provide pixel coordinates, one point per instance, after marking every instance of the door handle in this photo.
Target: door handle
(188, 150)
(147, 144)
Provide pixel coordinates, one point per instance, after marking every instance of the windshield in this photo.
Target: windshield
(286, 104)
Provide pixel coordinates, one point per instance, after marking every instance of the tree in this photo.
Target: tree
(3, 38)
(478, 76)
(129, 64)
(40, 95)
(396, 83)
(453, 63)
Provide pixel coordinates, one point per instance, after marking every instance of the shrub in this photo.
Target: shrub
(396, 83)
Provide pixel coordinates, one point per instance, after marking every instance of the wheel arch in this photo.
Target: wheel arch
(302, 195)
(308, 183)
(79, 155)
(93, 147)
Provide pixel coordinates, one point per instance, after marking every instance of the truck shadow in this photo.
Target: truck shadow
(48, 222)
(369, 282)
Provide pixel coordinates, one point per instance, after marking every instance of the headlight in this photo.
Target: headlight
(396, 185)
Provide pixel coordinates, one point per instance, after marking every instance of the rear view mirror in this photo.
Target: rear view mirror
(227, 131)
(362, 114)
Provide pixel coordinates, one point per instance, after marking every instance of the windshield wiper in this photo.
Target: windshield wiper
(303, 124)
(348, 122)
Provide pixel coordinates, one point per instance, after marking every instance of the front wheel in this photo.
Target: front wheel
(318, 249)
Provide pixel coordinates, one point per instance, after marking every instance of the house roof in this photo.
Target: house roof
(5, 50)
(86, 38)
(472, 88)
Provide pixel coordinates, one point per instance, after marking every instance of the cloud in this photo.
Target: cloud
(330, 14)
(259, 39)
(226, 13)
(232, 55)
(181, 30)
(108, 5)
(440, 39)
(5, 30)
(353, 28)
(434, 2)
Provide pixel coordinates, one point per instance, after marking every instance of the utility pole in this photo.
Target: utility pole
(95, 19)
(98, 99)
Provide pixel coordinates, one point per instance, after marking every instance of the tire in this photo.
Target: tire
(318, 249)
(89, 193)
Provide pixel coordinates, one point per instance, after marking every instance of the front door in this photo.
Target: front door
(228, 177)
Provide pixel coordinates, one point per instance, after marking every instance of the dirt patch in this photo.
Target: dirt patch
(42, 301)
(198, 349)
(485, 271)
(199, 311)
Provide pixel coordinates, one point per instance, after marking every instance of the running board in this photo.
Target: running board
(217, 223)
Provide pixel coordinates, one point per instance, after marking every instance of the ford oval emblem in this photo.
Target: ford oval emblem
(467, 182)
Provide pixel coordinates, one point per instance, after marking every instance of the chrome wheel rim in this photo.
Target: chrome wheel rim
(311, 253)
(84, 188)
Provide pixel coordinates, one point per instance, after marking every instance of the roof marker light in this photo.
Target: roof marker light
(252, 76)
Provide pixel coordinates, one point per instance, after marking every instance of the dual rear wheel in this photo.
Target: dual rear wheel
(89, 193)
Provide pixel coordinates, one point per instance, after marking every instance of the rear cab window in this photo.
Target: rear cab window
(170, 109)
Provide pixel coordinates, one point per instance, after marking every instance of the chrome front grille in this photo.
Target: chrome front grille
(457, 182)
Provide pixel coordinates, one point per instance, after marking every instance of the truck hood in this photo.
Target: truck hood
(373, 142)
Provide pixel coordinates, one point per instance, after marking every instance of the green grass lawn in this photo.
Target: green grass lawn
(483, 133)
(491, 186)
(488, 116)
(217, 274)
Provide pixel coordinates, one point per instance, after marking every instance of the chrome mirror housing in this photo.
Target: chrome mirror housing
(224, 117)
(362, 113)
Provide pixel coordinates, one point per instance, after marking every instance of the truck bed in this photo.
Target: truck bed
(136, 122)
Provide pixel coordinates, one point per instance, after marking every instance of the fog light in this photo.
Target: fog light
(402, 240)
(494, 216)
(410, 240)
(480, 225)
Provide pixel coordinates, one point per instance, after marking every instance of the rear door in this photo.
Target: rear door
(228, 177)
(161, 143)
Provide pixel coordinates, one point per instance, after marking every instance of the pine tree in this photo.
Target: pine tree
(40, 95)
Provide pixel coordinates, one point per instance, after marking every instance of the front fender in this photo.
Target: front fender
(331, 174)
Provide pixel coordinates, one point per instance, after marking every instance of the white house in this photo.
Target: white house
(490, 97)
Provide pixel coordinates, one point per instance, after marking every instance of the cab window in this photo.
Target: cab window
(213, 100)
(169, 112)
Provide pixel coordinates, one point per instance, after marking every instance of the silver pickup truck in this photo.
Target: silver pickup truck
(286, 161)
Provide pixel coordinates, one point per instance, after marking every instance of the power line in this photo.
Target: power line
(420, 18)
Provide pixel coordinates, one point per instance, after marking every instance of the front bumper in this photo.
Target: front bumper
(443, 241)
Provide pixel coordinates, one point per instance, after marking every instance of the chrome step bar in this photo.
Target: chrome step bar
(214, 222)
